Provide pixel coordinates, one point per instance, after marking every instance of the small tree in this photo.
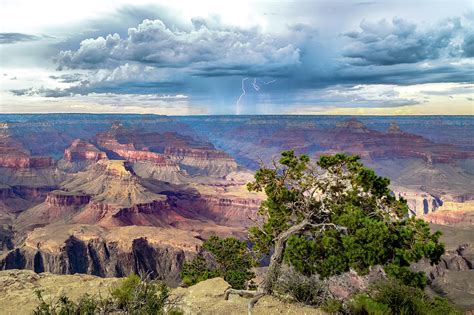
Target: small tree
(228, 258)
(328, 217)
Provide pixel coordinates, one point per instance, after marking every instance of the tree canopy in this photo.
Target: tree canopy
(336, 215)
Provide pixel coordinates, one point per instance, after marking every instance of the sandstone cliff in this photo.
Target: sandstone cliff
(90, 249)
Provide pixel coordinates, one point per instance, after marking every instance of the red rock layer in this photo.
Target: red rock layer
(13, 155)
(129, 152)
(81, 150)
(59, 199)
(155, 213)
(205, 154)
(446, 217)
(230, 210)
(354, 137)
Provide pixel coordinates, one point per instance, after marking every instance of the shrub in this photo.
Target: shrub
(332, 306)
(392, 297)
(132, 296)
(136, 296)
(87, 305)
(197, 270)
(228, 258)
(301, 288)
(123, 293)
(363, 304)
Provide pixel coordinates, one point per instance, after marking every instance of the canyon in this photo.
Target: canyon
(112, 194)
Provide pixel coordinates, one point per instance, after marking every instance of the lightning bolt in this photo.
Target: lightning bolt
(255, 86)
(241, 95)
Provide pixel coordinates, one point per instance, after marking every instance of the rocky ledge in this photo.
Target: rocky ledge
(17, 294)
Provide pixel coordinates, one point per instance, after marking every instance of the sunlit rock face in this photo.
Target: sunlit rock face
(14, 155)
(81, 150)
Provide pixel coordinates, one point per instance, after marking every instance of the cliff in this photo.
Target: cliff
(202, 161)
(81, 150)
(60, 198)
(90, 249)
(453, 277)
(419, 202)
(14, 155)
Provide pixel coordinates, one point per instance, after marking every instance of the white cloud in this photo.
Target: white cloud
(207, 50)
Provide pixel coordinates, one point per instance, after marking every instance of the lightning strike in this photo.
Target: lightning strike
(255, 85)
(241, 95)
(244, 92)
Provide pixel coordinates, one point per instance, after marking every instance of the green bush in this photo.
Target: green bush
(332, 306)
(363, 304)
(136, 296)
(197, 270)
(132, 296)
(301, 288)
(392, 297)
(123, 293)
(228, 258)
(86, 305)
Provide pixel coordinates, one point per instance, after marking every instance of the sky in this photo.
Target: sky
(400, 57)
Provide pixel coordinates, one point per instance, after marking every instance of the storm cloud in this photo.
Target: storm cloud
(400, 41)
(203, 49)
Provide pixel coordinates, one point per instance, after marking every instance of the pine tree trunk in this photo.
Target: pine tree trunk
(277, 257)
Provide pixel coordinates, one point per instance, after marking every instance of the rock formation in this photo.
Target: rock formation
(81, 150)
(420, 203)
(208, 162)
(149, 179)
(14, 155)
(453, 277)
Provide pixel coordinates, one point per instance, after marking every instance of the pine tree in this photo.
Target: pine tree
(333, 216)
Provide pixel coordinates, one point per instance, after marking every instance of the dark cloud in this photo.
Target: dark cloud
(67, 78)
(399, 41)
(468, 45)
(42, 92)
(11, 38)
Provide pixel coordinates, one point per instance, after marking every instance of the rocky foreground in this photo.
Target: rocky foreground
(17, 294)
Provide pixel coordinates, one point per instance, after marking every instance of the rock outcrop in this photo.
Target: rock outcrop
(97, 257)
(58, 198)
(453, 277)
(70, 249)
(208, 162)
(81, 150)
(420, 203)
(14, 155)
(17, 288)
